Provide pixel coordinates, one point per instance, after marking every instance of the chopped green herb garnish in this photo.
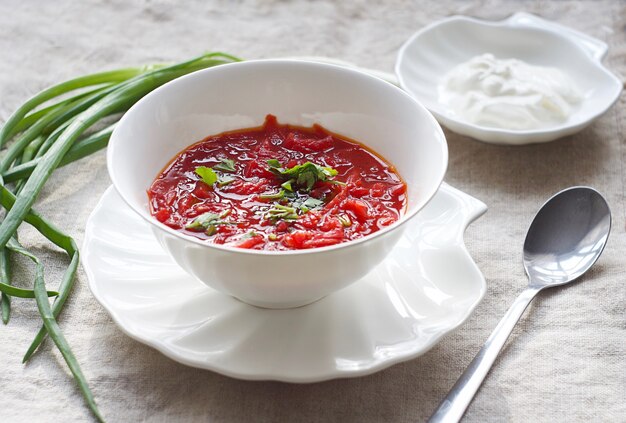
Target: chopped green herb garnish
(204, 221)
(207, 174)
(223, 180)
(313, 202)
(302, 177)
(274, 163)
(298, 180)
(273, 196)
(209, 221)
(345, 220)
(278, 211)
(225, 165)
(296, 207)
(308, 204)
(249, 235)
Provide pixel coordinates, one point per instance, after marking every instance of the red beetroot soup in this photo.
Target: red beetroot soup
(277, 187)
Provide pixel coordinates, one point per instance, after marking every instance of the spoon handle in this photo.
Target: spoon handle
(453, 406)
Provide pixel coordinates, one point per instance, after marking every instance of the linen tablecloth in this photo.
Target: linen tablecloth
(566, 360)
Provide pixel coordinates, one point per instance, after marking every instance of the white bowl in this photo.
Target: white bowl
(439, 47)
(239, 95)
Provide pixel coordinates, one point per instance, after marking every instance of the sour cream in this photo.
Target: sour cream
(509, 93)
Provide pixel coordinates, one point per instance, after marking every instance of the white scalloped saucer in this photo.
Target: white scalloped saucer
(426, 287)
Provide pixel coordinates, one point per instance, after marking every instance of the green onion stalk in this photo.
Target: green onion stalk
(53, 129)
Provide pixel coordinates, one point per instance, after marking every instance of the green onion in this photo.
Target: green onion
(48, 230)
(29, 152)
(11, 126)
(5, 278)
(40, 139)
(83, 148)
(128, 92)
(54, 330)
(48, 122)
(33, 117)
(22, 293)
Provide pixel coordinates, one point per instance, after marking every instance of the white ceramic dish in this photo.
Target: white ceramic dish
(436, 49)
(239, 95)
(425, 288)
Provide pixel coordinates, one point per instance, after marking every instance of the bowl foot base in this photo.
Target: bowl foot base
(278, 306)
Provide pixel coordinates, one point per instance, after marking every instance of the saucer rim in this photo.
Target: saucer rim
(475, 210)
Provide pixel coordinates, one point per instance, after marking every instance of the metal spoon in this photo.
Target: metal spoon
(564, 240)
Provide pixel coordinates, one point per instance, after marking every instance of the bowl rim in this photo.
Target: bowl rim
(428, 195)
(549, 29)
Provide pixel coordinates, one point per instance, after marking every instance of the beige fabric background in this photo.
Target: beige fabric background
(566, 360)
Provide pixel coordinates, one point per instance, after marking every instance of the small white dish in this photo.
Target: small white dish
(240, 95)
(433, 51)
(424, 289)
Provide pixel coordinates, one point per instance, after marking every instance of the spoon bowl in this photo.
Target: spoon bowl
(566, 237)
(564, 240)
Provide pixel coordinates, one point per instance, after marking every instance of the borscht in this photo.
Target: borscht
(277, 187)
